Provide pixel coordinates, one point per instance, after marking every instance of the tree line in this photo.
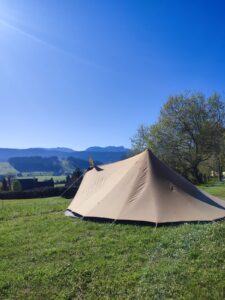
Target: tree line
(189, 135)
(12, 183)
(37, 163)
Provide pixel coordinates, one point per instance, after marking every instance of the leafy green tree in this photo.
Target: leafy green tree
(16, 186)
(188, 135)
(75, 179)
(73, 182)
(68, 179)
(216, 111)
(141, 140)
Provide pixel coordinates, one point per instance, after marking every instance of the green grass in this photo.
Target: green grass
(45, 255)
(46, 177)
(215, 188)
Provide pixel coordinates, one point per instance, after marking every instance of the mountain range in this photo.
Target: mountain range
(101, 154)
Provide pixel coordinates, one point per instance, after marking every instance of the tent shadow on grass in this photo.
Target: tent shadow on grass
(138, 223)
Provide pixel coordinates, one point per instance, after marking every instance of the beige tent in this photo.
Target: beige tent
(142, 188)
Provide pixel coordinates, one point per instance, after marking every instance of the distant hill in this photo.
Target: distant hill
(6, 153)
(104, 155)
(62, 149)
(58, 160)
(107, 149)
(34, 164)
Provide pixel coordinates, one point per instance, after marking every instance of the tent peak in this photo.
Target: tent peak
(148, 151)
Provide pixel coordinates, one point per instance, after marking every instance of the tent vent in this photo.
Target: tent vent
(172, 187)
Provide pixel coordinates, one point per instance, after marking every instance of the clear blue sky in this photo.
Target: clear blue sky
(89, 72)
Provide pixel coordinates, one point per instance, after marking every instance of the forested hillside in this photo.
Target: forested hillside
(47, 164)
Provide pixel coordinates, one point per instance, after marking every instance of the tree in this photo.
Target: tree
(188, 135)
(16, 186)
(77, 177)
(216, 111)
(5, 185)
(140, 141)
(68, 179)
(73, 182)
(9, 181)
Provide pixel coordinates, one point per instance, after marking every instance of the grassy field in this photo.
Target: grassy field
(46, 177)
(7, 169)
(45, 255)
(215, 188)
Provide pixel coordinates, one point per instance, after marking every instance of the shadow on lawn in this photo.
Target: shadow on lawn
(139, 223)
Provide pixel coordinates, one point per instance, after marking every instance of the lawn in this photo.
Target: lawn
(45, 177)
(6, 169)
(45, 255)
(215, 188)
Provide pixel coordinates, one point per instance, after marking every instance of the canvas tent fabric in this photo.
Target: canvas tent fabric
(143, 188)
